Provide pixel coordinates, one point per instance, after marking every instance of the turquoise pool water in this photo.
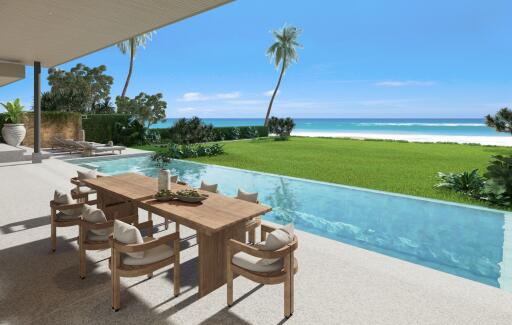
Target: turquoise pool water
(471, 242)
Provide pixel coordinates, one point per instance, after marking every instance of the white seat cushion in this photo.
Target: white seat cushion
(85, 189)
(128, 234)
(65, 198)
(246, 196)
(95, 237)
(257, 264)
(90, 174)
(278, 238)
(209, 187)
(152, 255)
(94, 215)
(67, 217)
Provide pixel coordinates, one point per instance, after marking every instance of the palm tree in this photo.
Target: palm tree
(283, 52)
(131, 45)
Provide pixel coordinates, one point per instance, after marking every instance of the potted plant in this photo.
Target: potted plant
(14, 132)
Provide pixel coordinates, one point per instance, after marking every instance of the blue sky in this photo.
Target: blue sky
(360, 59)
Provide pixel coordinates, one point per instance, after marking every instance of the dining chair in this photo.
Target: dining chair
(133, 255)
(254, 223)
(65, 212)
(270, 262)
(95, 230)
(209, 187)
(81, 192)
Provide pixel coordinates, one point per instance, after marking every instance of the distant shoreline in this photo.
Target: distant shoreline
(483, 140)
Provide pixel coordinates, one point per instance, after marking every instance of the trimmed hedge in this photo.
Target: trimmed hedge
(102, 127)
(224, 133)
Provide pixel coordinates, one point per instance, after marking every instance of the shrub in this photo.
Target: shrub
(281, 126)
(105, 127)
(194, 150)
(243, 132)
(467, 183)
(193, 130)
(161, 159)
(498, 187)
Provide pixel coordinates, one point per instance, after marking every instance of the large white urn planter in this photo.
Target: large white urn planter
(14, 134)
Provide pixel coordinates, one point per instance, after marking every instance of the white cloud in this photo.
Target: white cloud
(404, 83)
(196, 96)
(270, 92)
(186, 109)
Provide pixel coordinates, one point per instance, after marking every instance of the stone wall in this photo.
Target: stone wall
(63, 124)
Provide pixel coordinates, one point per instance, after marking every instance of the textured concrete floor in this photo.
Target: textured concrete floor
(336, 283)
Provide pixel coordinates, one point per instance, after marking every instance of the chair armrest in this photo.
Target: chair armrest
(148, 225)
(60, 206)
(267, 228)
(130, 218)
(256, 252)
(132, 248)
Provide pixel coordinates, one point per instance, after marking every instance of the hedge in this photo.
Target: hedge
(102, 127)
(225, 133)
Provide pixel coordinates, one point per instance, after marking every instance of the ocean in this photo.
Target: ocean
(450, 127)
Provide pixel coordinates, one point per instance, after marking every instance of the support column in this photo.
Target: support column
(36, 156)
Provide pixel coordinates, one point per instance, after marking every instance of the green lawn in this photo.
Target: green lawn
(408, 168)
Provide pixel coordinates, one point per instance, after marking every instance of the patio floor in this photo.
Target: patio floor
(336, 283)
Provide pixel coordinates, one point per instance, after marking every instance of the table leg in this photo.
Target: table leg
(212, 257)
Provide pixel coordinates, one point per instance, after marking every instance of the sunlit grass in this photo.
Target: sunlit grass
(407, 168)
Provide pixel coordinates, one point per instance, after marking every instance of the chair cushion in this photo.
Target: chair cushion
(257, 264)
(278, 238)
(65, 198)
(152, 255)
(67, 217)
(128, 234)
(85, 189)
(246, 196)
(90, 174)
(209, 187)
(95, 237)
(94, 215)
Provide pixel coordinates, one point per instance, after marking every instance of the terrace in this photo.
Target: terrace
(336, 282)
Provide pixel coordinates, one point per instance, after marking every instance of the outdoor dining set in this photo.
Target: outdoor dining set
(106, 211)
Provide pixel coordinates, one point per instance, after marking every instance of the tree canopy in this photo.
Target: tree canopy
(502, 121)
(81, 89)
(147, 109)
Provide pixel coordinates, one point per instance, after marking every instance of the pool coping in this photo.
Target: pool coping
(506, 213)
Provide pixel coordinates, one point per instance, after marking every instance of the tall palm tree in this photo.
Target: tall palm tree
(131, 45)
(283, 52)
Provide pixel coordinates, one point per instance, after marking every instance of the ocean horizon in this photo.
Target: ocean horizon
(404, 126)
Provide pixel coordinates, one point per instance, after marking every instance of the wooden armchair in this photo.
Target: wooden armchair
(82, 192)
(244, 260)
(122, 265)
(89, 240)
(59, 218)
(254, 223)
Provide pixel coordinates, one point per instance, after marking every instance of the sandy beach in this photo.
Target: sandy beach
(484, 140)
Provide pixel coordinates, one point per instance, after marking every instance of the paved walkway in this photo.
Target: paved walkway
(336, 283)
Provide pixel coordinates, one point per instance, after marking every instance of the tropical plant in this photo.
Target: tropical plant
(195, 150)
(147, 109)
(193, 130)
(283, 52)
(499, 183)
(14, 110)
(161, 158)
(468, 183)
(131, 45)
(281, 126)
(105, 106)
(502, 121)
(77, 90)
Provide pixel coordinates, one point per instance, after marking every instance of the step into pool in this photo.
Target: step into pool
(467, 241)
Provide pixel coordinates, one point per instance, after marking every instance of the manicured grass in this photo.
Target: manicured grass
(408, 168)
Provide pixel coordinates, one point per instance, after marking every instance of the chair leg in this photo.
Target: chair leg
(252, 236)
(166, 223)
(53, 231)
(287, 289)
(116, 283)
(176, 271)
(150, 216)
(229, 278)
(81, 250)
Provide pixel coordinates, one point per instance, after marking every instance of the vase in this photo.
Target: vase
(13, 134)
(164, 180)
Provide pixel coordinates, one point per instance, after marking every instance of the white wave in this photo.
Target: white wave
(422, 124)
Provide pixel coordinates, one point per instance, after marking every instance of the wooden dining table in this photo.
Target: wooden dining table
(216, 219)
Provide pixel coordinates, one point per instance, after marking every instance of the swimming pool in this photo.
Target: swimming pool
(472, 242)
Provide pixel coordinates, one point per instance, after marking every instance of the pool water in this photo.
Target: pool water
(472, 242)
